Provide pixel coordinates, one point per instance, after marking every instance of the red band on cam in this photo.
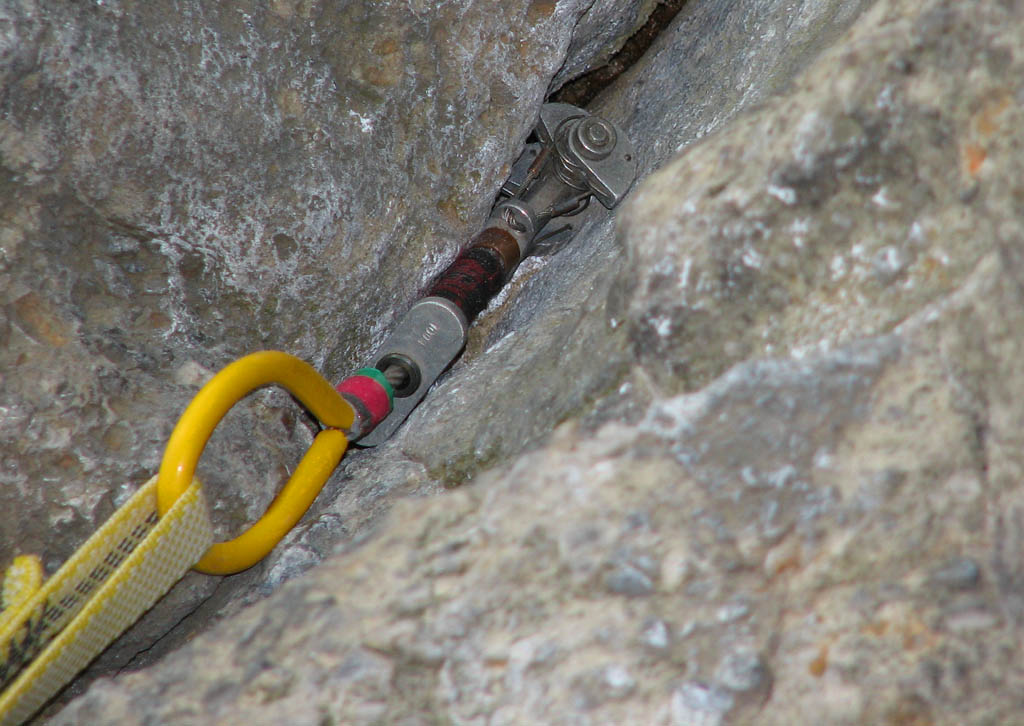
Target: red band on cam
(370, 393)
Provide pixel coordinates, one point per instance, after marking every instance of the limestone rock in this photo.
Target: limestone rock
(602, 30)
(785, 488)
(858, 198)
(176, 193)
(793, 524)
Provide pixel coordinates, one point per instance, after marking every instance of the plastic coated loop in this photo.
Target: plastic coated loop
(206, 410)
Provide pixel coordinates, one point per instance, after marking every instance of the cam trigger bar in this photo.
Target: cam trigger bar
(578, 156)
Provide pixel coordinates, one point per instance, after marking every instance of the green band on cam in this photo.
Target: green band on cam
(380, 378)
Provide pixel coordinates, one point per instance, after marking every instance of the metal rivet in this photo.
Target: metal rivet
(596, 136)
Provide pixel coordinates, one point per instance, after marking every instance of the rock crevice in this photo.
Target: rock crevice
(747, 451)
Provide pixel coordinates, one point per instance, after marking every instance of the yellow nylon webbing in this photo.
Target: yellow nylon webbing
(121, 570)
(47, 637)
(211, 404)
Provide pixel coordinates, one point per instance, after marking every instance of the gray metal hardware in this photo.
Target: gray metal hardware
(578, 156)
(428, 338)
(591, 152)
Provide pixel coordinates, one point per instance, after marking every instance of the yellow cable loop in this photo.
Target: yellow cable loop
(207, 409)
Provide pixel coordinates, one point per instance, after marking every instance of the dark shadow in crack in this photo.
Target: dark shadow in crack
(584, 89)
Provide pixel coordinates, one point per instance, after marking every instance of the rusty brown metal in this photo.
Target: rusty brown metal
(501, 242)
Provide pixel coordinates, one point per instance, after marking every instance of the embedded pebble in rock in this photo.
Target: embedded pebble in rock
(628, 580)
(959, 574)
(656, 635)
(697, 703)
(794, 409)
(741, 672)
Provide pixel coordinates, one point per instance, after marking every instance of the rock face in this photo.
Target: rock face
(785, 487)
(176, 194)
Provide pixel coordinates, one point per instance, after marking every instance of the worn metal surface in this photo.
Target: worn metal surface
(428, 338)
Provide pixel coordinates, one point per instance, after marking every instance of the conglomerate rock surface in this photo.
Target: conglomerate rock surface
(785, 487)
